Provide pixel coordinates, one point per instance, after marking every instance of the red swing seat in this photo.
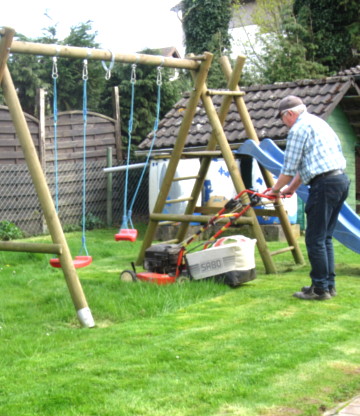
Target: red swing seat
(79, 262)
(126, 235)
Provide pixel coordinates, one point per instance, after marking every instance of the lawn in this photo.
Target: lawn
(195, 348)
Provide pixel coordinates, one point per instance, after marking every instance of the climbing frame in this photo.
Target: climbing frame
(219, 141)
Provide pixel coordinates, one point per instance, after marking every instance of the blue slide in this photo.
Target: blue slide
(269, 155)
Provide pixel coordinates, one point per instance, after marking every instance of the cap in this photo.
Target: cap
(287, 103)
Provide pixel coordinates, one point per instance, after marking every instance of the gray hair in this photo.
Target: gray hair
(299, 109)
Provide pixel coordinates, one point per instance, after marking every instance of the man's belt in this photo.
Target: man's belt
(326, 174)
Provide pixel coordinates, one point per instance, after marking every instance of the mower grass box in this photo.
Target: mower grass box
(231, 259)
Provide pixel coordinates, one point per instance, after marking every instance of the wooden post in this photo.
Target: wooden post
(6, 36)
(211, 146)
(41, 106)
(45, 199)
(190, 111)
(238, 182)
(250, 130)
(109, 191)
(117, 117)
(42, 149)
(30, 247)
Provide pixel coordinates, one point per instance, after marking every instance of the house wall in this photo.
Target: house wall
(339, 122)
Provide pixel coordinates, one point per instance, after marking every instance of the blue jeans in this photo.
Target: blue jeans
(326, 197)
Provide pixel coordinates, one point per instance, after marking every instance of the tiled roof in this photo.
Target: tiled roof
(355, 71)
(321, 97)
(170, 51)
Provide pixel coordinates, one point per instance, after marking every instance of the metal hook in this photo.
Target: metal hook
(85, 74)
(111, 65)
(55, 73)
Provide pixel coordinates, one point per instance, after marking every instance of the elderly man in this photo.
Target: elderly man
(314, 157)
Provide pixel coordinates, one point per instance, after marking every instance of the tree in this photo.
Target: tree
(287, 50)
(30, 72)
(70, 86)
(334, 26)
(145, 96)
(206, 28)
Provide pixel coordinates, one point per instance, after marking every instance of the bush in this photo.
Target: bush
(92, 222)
(9, 231)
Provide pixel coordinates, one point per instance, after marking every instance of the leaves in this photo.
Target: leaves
(285, 50)
(205, 24)
(333, 26)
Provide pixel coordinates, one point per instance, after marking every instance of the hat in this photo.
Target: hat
(287, 103)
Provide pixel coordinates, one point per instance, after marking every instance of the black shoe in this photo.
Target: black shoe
(313, 293)
(332, 290)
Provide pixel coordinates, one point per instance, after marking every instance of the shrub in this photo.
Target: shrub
(92, 222)
(9, 231)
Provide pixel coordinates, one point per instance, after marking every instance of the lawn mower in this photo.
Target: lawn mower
(228, 259)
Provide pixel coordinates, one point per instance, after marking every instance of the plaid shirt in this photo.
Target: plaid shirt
(312, 147)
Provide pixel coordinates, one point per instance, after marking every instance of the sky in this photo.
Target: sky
(125, 26)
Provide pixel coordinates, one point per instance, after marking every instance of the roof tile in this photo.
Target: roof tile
(320, 96)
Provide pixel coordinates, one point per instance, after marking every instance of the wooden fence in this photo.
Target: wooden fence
(18, 200)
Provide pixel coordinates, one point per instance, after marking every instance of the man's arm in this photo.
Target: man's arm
(293, 185)
(280, 183)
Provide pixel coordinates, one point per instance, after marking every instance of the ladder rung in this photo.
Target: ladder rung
(282, 250)
(174, 241)
(225, 92)
(244, 220)
(266, 212)
(185, 178)
(202, 153)
(168, 222)
(196, 218)
(176, 201)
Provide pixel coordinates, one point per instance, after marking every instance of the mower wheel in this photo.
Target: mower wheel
(183, 279)
(128, 276)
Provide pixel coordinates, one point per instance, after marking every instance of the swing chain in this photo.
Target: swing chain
(55, 73)
(110, 67)
(85, 74)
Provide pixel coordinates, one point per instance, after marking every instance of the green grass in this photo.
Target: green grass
(196, 348)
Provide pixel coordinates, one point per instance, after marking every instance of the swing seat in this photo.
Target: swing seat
(126, 235)
(79, 262)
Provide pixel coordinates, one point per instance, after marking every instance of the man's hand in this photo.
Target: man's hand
(273, 193)
(287, 191)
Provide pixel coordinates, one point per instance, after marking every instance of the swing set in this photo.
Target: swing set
(199, 67)
(125, 232)
(59, 244)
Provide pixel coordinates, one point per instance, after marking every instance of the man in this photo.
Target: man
(314, 157)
